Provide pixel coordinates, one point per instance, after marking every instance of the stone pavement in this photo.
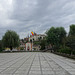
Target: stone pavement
(35, 63)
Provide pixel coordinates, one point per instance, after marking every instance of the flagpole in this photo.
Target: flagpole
(32, 39)
(32, 44)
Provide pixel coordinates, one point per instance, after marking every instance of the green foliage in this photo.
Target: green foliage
(36, 42)
(70, 42)
(65, 50)
(11, 39)
(73, 52)
(72, 30)
(61, 33)
(42, 44)
(55, 36)
(21, 48)
(1, 46)
(51, 37)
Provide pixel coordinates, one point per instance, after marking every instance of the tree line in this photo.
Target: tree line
(60, 40)
(56, 37)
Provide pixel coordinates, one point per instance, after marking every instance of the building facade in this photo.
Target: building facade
(36, 37)
(28, 43)
(28, 46)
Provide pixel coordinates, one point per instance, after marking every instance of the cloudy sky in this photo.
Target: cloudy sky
(24, 16)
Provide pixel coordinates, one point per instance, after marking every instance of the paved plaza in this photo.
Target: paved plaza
(35, 63)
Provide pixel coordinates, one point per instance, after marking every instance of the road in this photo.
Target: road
(35, 63)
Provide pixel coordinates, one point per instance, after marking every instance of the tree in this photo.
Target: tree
(42, 44)
(61, 33)
(1, 46)
(11, 39)
(70, 42)
(55, 36)
(72, 30)
(50, 35)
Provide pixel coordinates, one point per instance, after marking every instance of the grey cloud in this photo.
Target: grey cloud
(24, 16)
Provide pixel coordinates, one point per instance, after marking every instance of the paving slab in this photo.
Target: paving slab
(35, 63)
